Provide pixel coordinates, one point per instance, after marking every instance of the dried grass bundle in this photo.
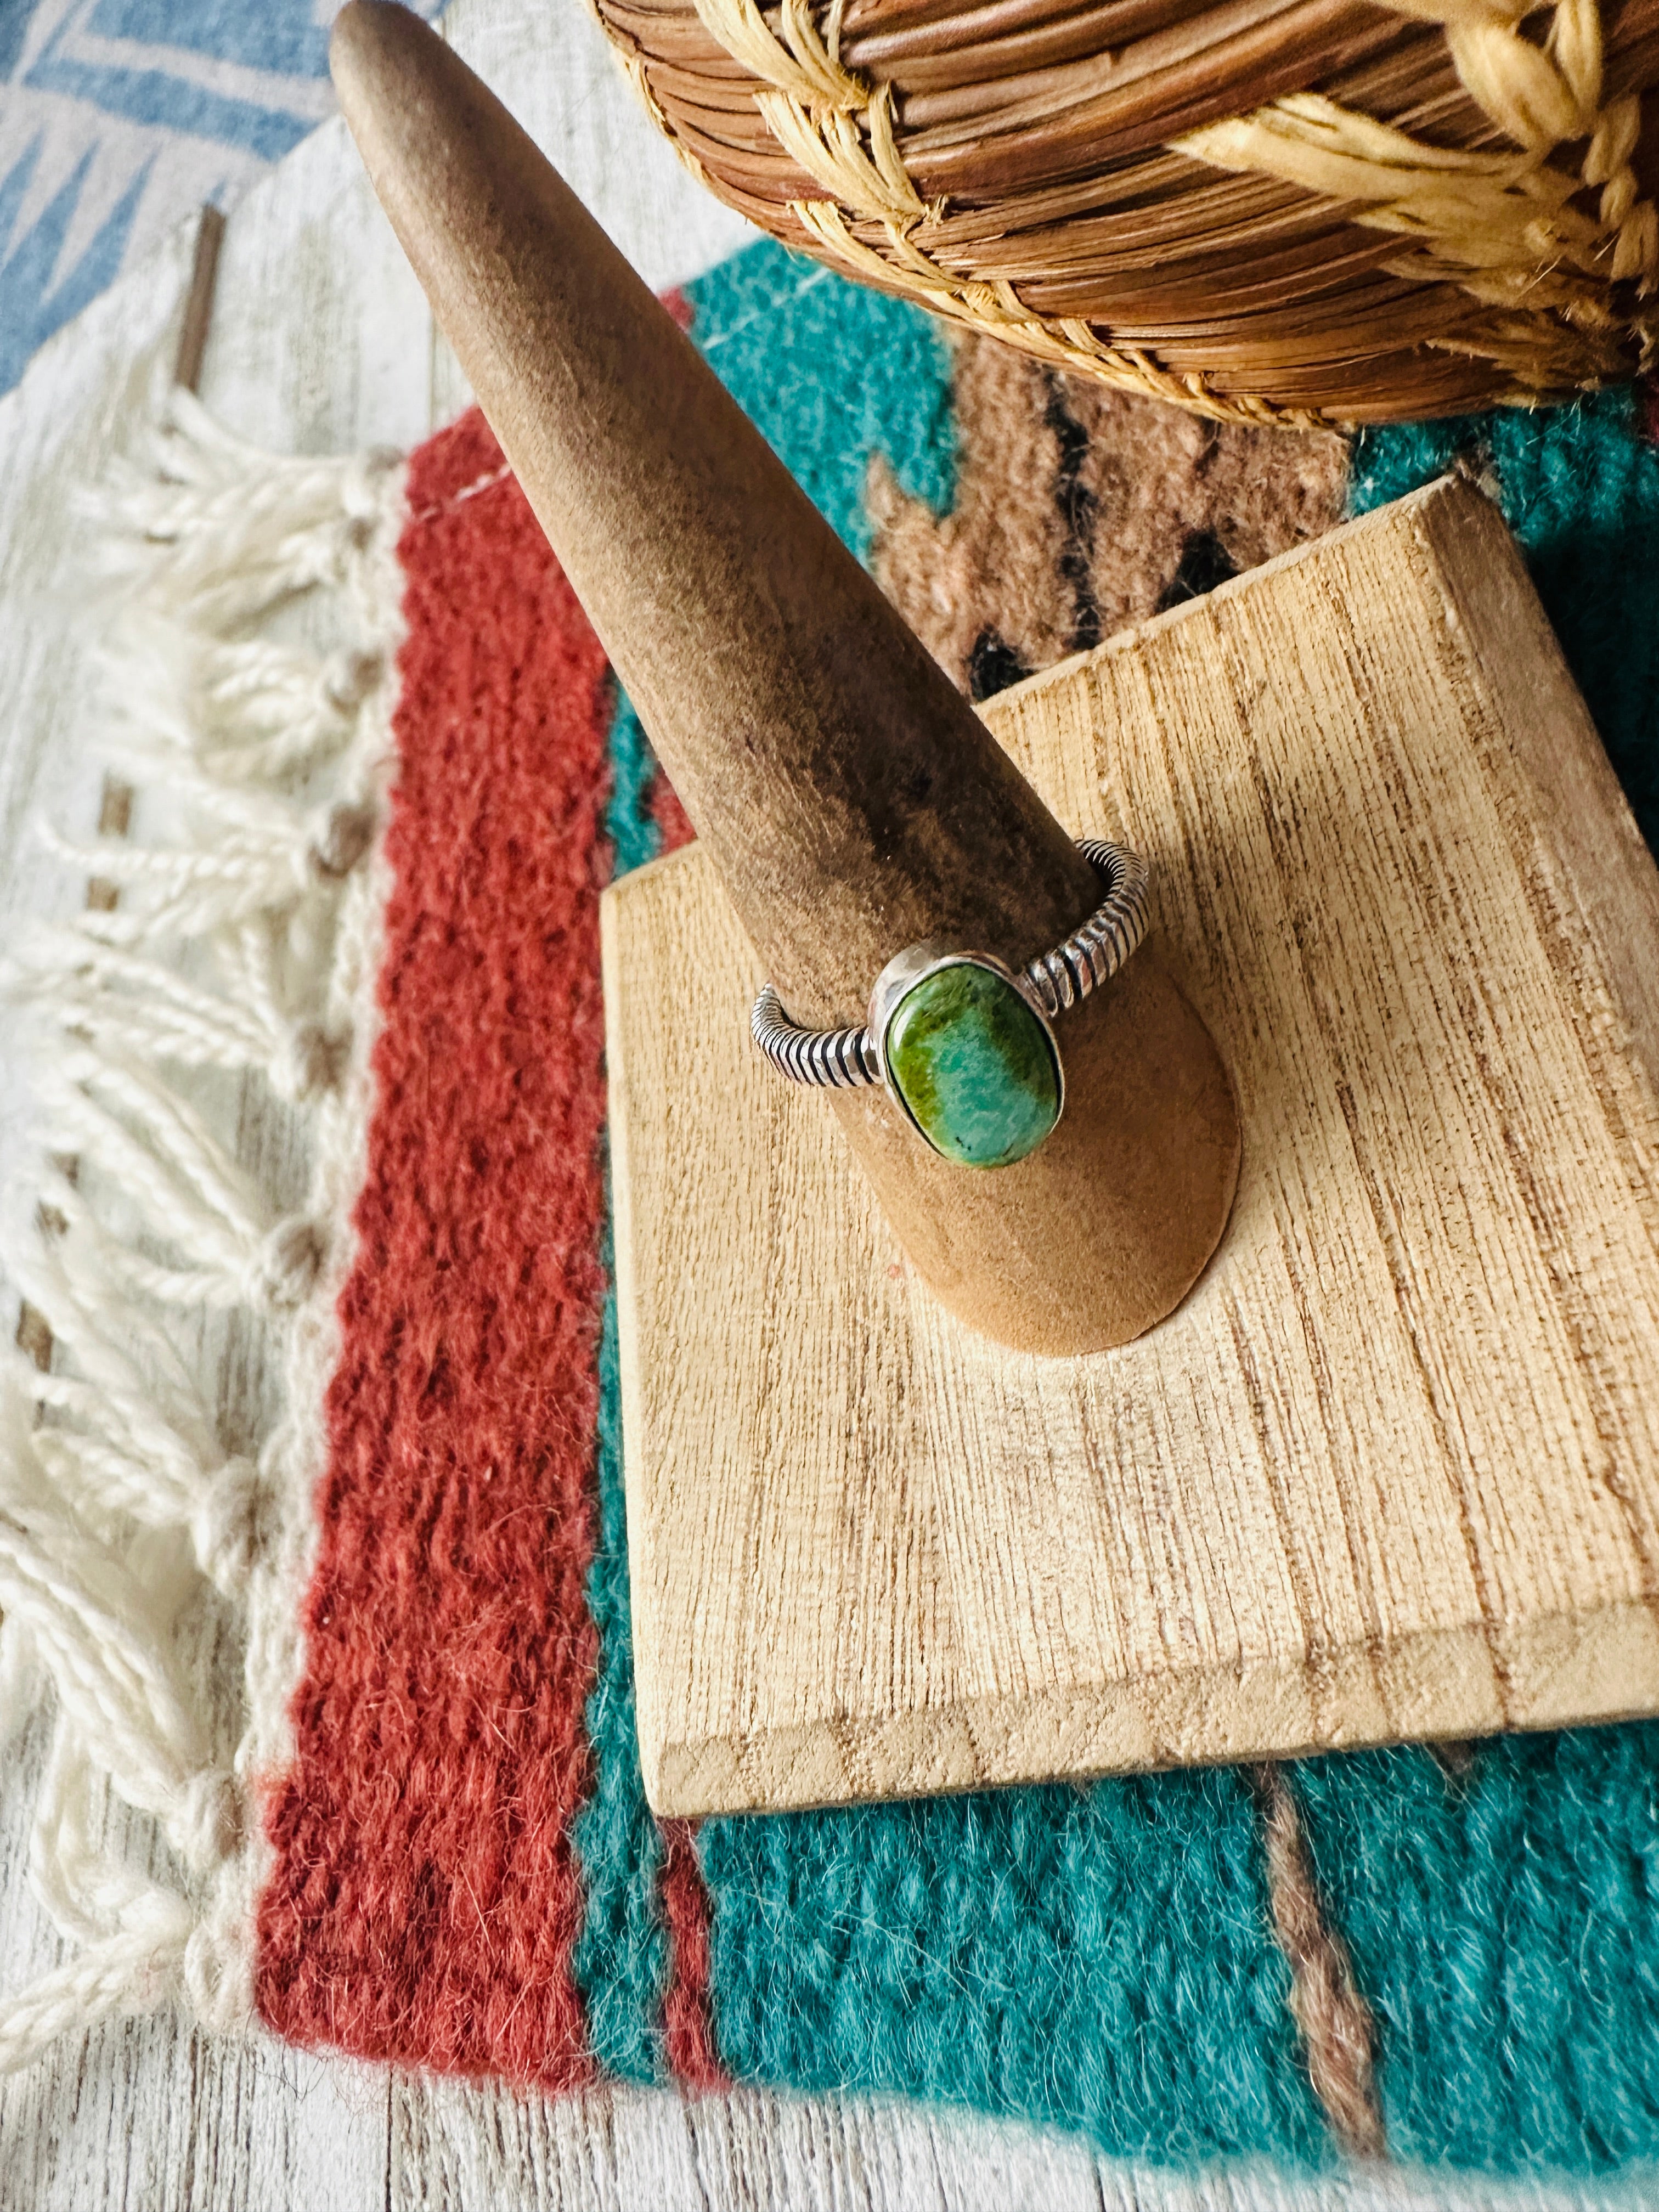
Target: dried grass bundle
(1307, 211)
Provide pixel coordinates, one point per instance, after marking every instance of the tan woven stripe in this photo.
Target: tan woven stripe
(994, 564)
(1336, 2024)
(1046, 566)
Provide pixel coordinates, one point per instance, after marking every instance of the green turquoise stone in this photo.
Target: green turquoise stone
(974, 1065)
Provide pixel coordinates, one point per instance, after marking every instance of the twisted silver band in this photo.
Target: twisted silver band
(840, 1059)
(843, 1060)
(1098, 948)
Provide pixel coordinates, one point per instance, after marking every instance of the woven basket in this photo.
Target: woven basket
(1309, 211)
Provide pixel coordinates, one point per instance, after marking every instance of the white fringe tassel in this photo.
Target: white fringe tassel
(225, 954)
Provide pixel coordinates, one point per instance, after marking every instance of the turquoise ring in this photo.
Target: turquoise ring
(964, 1045)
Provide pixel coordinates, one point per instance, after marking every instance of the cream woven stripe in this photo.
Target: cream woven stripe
(1501, 227)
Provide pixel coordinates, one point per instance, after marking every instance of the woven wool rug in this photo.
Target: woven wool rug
(322, 1068)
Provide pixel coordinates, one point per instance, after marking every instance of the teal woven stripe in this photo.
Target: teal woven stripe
(621, 1961)
(1505, 1928)
(797, 347)
(1581, 492)
(1098, 1958)
(634, 834)
(832, 373)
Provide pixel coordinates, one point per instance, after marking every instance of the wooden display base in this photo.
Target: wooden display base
(1392, 1471)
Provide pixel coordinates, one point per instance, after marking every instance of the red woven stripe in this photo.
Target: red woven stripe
(673, 823)
(425, 1896)
(687, 2029)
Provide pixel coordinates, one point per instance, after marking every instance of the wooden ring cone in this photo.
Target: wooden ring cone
(851, 800)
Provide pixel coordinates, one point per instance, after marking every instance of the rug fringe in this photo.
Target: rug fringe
(230, 937)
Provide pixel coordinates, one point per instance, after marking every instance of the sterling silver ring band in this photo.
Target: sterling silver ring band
(843, 1060)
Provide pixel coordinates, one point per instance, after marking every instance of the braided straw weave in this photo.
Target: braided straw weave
(1305, 211)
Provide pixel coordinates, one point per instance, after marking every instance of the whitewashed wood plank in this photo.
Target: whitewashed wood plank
(626, 2149)
(313, 346)
(553, 68)
(321, 339)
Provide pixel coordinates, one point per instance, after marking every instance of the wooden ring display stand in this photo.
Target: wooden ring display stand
(1392, 1469)
(852, 801)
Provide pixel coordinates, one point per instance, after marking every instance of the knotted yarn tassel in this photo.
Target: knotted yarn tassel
(228, 943)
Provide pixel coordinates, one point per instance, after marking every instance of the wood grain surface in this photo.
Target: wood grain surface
(1392, 1471)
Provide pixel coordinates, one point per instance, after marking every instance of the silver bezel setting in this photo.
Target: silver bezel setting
(1056, 981)
(914, 965)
